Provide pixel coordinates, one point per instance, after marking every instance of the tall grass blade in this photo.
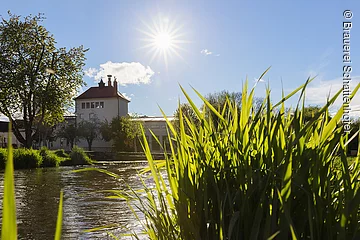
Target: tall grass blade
(9, 228)
(59, 218)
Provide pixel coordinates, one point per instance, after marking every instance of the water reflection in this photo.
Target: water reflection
(37, 198)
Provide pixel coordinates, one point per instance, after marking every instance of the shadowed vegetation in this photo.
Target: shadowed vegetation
(255, 174)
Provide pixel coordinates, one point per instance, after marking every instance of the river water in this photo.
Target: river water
(85, 206)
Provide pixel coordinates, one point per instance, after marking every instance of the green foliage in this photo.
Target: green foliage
(69, 132)
(218, 101)
(37, 78)
(50, 159)
(89, 130)
(61, 153)
(187, 112)
(30, 158)
(122, 131)
(27, 158)
(3, 157)
(79, 157)
(257, 174)
(310, 112)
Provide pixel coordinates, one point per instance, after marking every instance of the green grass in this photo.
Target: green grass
(61, 153)
(27, 158)
(261, 174)
(50, 158)
(79, 157)
(31, 158)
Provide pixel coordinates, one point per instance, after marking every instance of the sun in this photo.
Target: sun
(163, 39)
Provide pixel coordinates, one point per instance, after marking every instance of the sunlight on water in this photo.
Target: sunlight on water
(37, 196)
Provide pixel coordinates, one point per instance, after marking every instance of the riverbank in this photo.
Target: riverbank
(122, 156)
(32, 158)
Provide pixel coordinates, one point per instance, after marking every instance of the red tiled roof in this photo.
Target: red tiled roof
(101, 92)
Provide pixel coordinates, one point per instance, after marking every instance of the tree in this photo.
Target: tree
(45, 134)
(69, 132)
(89, 130)
(122, 131)
(189, 113)
(38, 80)
(309, 112)
(218, 100)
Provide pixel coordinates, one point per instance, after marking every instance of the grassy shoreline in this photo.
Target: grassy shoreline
(33, 158)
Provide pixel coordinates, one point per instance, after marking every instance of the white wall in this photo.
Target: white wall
(113, 107)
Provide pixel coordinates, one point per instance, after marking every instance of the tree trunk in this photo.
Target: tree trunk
(89, 144)
(28, 137)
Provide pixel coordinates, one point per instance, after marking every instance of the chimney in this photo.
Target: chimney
(115, 85)
(101, 83)
(109, 80)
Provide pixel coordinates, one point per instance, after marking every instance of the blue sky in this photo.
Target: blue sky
(223, 43)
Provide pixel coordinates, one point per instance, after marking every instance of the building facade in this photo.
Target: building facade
(102, 102)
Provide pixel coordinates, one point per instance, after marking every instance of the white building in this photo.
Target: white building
(158, 126)
(102, 102)
(4, 135)
(105, 103)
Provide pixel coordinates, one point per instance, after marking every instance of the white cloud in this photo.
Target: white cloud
(318, 91)
(90, 72)
(126, 73)
(206, 52)
(319, 66)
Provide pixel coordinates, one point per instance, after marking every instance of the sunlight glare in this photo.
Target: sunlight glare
(163, 39)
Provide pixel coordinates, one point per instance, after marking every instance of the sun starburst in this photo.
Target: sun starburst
(163, 39)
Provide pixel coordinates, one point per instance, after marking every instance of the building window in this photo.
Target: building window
(97, 105)
(101, 104)
(81, 116)
(83, 105)
(87, 105)
(92, 105)
(91, 115)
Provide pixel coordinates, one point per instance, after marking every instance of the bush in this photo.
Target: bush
(79, 157)
(61, 153)
(3, 157)
(26, 158)
(50, 159)
(256, 174)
